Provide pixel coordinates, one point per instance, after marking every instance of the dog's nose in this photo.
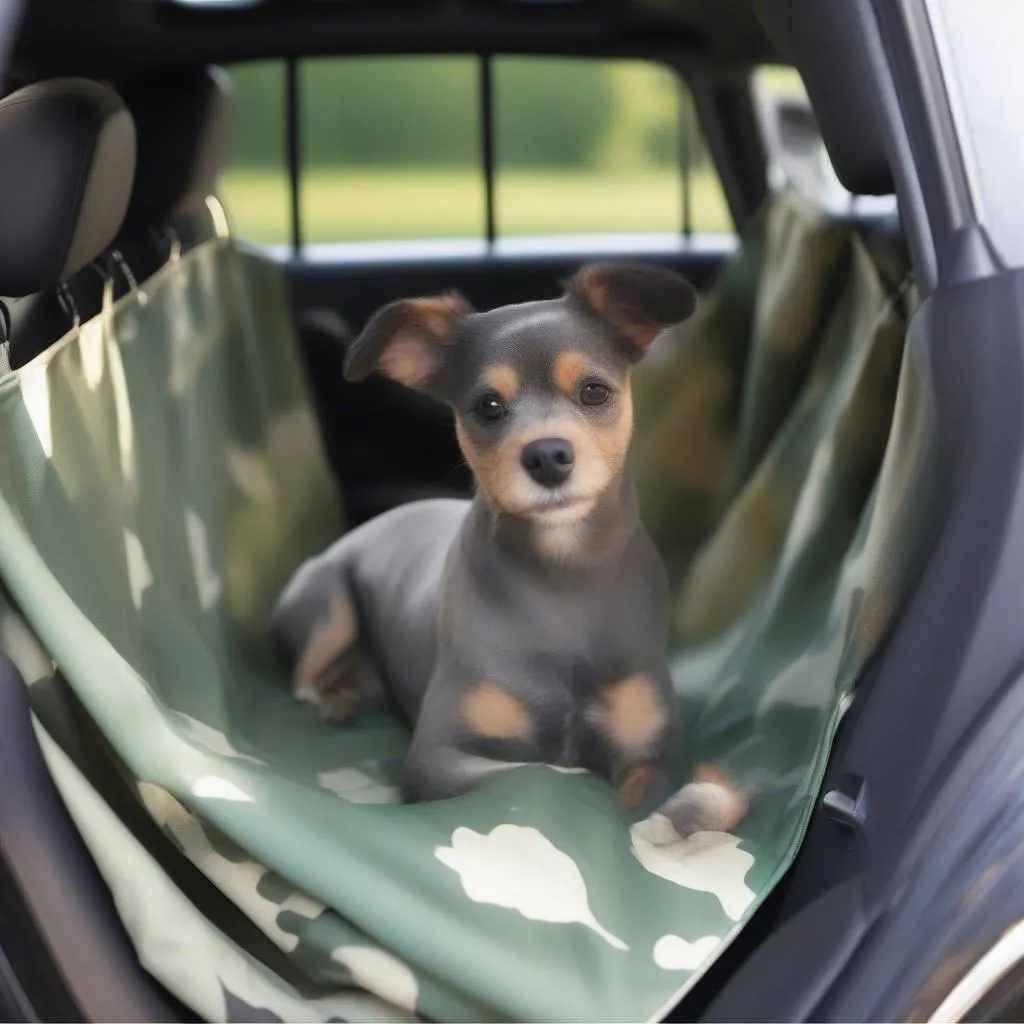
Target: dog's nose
(549, 461)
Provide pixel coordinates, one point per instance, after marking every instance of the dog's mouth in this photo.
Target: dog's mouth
(559, 506)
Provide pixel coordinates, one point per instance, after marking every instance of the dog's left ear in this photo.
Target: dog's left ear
(637, 300)
(407, 340)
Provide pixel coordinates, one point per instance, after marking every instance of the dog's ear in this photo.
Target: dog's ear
(406, 340)
(638, 301)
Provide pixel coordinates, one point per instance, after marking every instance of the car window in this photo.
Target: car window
(390, 149)
(255, 187)
(596, 146)
(400, 149)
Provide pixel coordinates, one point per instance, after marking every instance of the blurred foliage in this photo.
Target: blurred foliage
(391, 148)
(258, 123)
(371, 111)
(548, 112)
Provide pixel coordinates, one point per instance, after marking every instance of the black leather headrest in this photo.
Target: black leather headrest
(67, 156)
(183, 121)
(817, 36)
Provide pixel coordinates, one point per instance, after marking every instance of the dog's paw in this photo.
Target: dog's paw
(339, 706)
(710, 803)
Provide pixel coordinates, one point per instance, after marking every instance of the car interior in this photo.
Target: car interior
(179, 838)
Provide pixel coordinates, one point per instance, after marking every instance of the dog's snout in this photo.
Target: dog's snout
(549, 461)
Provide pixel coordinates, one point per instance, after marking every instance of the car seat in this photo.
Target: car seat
(163, 475)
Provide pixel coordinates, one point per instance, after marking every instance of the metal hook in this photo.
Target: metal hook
(101, 268)
(126, 271)
(67, 304)
(175, 243)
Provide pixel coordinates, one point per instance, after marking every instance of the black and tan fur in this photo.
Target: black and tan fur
(528, 625)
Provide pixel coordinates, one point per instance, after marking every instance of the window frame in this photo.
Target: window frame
(492, 243)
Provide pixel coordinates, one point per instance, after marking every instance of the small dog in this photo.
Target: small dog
(527, 625)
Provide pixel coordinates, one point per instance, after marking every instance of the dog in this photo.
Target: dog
(529, 624)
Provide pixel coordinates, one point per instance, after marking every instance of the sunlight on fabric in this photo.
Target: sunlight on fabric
(92, 339)
(123, 411)
(35, 392)
(219, 789)
(208, 582)
(140, 577)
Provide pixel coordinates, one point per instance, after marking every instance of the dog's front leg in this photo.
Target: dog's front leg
(438, 772)
(465, 733)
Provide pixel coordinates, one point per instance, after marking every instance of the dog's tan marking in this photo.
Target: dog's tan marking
(566, 372)
(329, 639)
(492, 467)
(600, 452)
(634, 786)
(493, 712)
(613, 439)
(339, 704)
(600, 448)
(502, 379)
(731, 804)
(631, 716)
(710, 803)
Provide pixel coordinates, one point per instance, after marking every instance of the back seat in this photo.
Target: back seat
(715, 394)
(162, 475)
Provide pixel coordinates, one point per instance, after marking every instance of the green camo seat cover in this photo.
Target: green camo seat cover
(160, 477)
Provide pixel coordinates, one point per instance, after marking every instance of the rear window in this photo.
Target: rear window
(255, 185)
(390, 149)
(454, 147)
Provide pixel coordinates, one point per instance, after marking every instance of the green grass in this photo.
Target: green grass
(378, 205)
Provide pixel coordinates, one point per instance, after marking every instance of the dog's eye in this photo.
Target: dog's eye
(594, 394)
(490, 408)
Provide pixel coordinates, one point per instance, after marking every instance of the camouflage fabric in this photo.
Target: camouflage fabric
(161, 476)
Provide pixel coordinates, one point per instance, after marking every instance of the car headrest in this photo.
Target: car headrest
(816, 37)
(67, 156)
(183, 121)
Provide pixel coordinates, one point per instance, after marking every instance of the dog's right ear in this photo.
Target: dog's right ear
(406, 340)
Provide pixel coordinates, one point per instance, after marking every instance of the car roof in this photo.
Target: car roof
(120, 39)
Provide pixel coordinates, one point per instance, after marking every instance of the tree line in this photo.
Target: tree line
(548, 113)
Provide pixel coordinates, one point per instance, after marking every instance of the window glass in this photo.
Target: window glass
(255, 186)
(390, 149)
(597, 146)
